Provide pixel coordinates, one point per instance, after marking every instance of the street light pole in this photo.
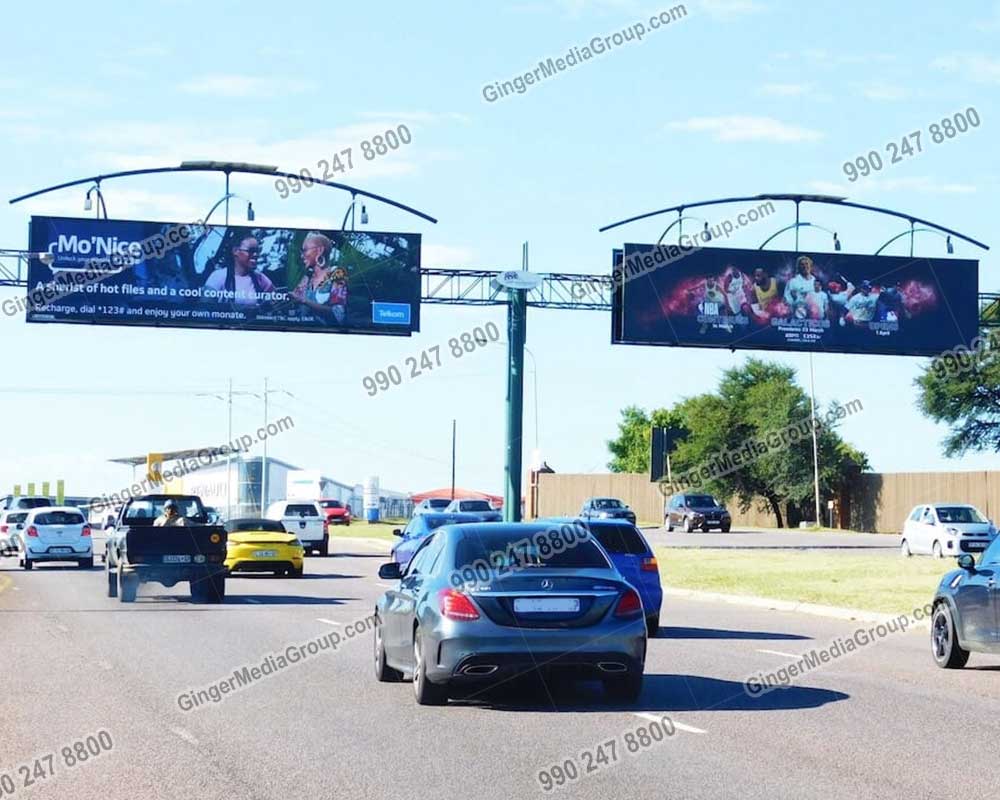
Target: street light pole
(812, 404)
(453, 432)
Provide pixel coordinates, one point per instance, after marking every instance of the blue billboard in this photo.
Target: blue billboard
(118, 272)
(784, 300)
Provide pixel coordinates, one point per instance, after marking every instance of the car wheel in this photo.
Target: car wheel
(428, 694)
(904, 549)
(325, 547)
(112, 583)
(705, 528)
(937, 551)
(128, 587)
(200, 591)
(948, 654)
(27, 563)
(625, 689)
(217, 589)
(347, 522)
(297, 573)
(726, 528)
(86, 563)
(383, 672)
(653, 626)
(667, 525)
(687, 524)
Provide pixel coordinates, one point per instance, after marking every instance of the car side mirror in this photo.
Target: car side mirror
(397, 532)
(967, 562)
(390, 572)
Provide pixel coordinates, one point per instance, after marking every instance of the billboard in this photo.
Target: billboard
(118, 272)
(783, 300)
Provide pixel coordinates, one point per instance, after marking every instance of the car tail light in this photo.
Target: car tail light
(630, 605)
(649, 565)
(457, 606)
(85, 531)
(32, 531)
(3, 528)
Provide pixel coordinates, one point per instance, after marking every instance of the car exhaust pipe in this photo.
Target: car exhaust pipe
(611, 666)
(480, 669)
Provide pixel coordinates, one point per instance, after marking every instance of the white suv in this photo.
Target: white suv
(56, 533)
(305, 519)
(18, 502)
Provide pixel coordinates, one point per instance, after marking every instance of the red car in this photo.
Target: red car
(336, 513)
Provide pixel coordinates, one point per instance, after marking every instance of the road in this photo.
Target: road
(776, 540)
(883, 722)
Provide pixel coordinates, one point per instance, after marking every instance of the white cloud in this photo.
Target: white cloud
(785, 89)
(972, 66)
(747, 129)
(442, 255)
(425, 117)
(886, 92)
(918, 184)
(243, 86)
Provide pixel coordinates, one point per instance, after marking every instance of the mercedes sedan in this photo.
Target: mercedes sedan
(480, 604)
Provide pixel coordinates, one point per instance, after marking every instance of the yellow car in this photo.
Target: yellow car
(263, 545)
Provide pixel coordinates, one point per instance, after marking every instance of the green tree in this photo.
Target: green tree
(754, 403)
(963, 392)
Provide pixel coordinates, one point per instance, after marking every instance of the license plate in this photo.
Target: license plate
(177, 559)
(265, 553)
(975, 545)
(60, 549)
(542, 605)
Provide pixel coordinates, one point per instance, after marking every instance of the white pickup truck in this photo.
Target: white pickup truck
(305, 519)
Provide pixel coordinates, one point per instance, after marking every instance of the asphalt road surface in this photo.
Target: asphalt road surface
(882, 722)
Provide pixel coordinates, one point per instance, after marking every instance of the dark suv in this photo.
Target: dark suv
(606, 508)
(690, 511)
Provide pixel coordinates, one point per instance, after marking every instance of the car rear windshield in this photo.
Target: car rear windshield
(620, 539)
(442, 503)
(521, 550)
(959, 514)
(269, 525)
(332, 504)
(475, 505)
(146, 511)
(59, 518)
(32, 502)
(607, 502)
(301, 510)
(700, 500)
(15, 519)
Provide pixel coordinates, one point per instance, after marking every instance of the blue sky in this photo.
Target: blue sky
(740, 97)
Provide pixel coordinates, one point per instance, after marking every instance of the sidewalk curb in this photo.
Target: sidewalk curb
(750, 601)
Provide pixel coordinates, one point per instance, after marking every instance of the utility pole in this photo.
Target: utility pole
(263, 464)
(453, 459)
(517, 320)
(812, 403)
(229, 449)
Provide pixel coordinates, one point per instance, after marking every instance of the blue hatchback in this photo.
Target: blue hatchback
(633, 558)
(412, 536)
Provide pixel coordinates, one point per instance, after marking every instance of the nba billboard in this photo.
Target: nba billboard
(782, 300)
(117, 272)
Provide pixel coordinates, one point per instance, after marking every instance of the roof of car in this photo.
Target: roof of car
(51, 508)
(587, 522)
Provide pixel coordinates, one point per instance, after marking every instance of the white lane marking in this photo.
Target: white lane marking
(385, 585)
(185, 735)
(328, 621)
(678, 725)
(778, 653)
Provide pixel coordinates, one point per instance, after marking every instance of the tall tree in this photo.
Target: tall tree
(750, 440)
(963, 392)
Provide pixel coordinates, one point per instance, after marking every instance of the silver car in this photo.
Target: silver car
(479, 604)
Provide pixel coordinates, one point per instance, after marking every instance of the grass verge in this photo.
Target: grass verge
(882, 583)
(367, 530)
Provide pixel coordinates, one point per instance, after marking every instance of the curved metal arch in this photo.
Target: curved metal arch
(799, 198)
(227, 168)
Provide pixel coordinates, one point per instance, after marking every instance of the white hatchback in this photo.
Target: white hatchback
(946, 529)
(55, 533)
(11, 527)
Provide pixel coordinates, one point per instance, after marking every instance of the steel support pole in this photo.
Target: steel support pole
(517, 319)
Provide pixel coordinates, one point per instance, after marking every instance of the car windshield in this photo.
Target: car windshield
(300, 510)
(436, 522)
(608, 502)
(32, 502)
(620, 539)
(700, 501)
(441, 503)
(516, 549)
(959, 514)
(59, 518)
(269, 525)
(149, 510)
(474, 505)
(331, 504)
